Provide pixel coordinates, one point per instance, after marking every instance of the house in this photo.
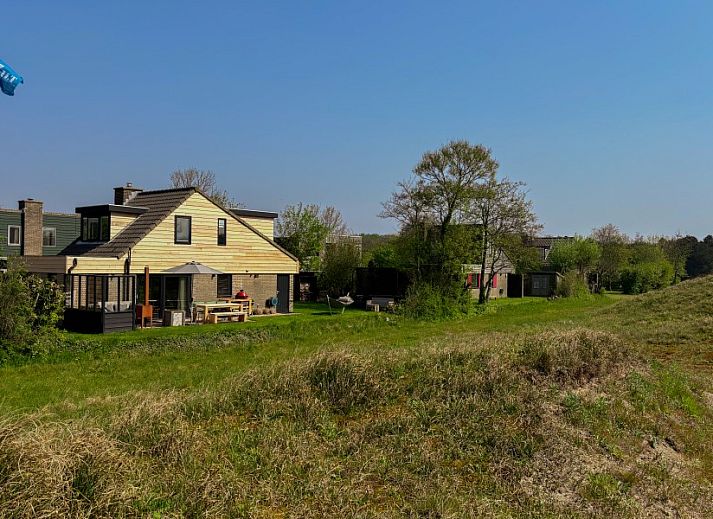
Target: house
(544, 281)
(29, 230)
(502, 282)
(164, 230)
(544, 244)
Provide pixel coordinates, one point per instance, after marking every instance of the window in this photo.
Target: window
(183, 230)
(225, 285)
(49, 237)
(95, 228)
(222, 236)
(13, 235)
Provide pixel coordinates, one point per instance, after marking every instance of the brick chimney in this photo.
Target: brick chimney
(31, 227)
(125, 193)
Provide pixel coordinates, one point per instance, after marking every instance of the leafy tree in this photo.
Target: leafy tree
(638, 278)
(614, 253)
(433, 202)
(385, 256)
(678, 249)
(338, 264)
(700, 262)
(648, 267)
(646, 250)
(206, 182)
(302, 232)
(580, 254)
(503, 216)
(454, 211)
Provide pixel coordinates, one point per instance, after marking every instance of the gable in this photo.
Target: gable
(246, 251)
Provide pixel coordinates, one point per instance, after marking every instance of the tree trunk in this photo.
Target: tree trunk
(482, 296)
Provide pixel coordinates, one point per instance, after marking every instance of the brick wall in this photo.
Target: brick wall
(205, 287)
(259, 287)
(31, 227)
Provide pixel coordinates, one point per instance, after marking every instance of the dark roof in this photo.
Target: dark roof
(547, 241)
(158, 205)
(253, 213)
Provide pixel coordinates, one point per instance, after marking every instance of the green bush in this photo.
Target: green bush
(572, 285)
(16, 309)
(642, 277)
(428, 302)
(30, 310)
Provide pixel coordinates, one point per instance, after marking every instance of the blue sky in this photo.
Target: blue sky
(605, 109)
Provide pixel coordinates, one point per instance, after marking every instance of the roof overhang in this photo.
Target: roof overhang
(252, 213)
(110, 208)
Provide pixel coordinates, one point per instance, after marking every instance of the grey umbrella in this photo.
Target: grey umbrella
(192, 267)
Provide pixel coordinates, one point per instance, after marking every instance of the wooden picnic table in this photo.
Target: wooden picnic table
(247, 304)
(210, 312)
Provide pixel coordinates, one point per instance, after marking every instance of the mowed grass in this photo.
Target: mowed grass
(598, 407)
(97, 367)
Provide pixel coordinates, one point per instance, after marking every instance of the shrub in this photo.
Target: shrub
(428, 302)
(572, 285)
(642, 277)
(342, 381)
(30, 309)
(16, 309)
(575, 356)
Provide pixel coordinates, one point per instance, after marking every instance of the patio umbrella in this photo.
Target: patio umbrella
(192, 267)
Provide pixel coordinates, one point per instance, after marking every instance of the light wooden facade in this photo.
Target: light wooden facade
(248, 250)
(142, 234)
(118, 222)
(265, 225)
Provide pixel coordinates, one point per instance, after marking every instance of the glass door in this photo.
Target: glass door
(177, 293)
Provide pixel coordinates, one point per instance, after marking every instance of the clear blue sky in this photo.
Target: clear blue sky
(605, 109)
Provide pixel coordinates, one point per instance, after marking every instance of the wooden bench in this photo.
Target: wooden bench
(380, 303)
(214, 317)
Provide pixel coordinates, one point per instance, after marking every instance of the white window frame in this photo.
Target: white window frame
(54, 236)
(19, 235)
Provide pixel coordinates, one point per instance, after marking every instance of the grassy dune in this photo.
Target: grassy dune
(543, 409)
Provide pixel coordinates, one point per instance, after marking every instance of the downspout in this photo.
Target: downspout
(127, 263)
(74, 265)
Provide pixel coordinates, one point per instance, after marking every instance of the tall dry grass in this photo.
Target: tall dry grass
(458, 428)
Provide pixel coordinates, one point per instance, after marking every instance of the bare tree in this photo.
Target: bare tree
(205, 181)
(504, 217)
(332, 219)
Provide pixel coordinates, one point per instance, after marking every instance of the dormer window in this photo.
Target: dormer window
(95, 228)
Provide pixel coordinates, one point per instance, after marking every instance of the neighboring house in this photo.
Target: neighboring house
(507, 283)
(355, 239)
(501, 284)
(544, 245)
(29, 230)
(167, 229)
(543, 282)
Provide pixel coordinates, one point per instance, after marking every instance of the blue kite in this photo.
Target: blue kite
(9, 79)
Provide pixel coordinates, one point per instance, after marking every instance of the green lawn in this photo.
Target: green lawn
(597, 407)
(98, 367)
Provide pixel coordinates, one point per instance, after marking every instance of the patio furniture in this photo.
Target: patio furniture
(202, 312)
